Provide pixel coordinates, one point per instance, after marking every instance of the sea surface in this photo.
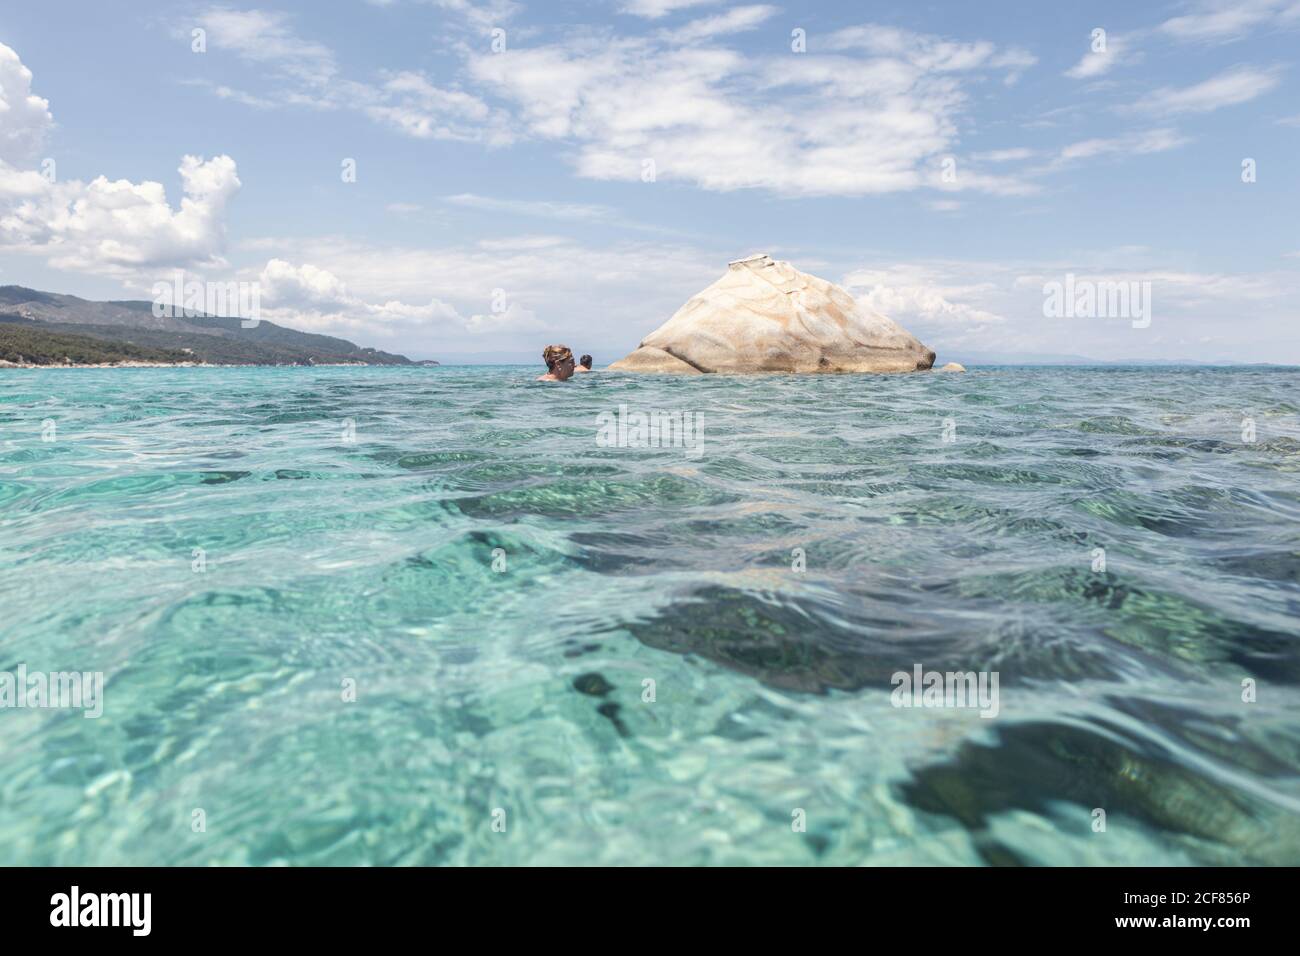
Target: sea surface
(387, 616)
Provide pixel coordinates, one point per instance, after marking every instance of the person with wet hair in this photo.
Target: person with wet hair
(584, 364)
(559, 363)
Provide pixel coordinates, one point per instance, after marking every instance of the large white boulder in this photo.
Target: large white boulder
(764, 315)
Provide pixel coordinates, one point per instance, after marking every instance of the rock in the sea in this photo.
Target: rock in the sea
(953, 367)
(764, 315)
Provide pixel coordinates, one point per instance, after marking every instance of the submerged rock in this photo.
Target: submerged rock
(953, 367)
(764, 315)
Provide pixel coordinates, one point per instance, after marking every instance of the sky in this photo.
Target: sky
(456, 179)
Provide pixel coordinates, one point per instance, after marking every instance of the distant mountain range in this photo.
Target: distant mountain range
(45, 328)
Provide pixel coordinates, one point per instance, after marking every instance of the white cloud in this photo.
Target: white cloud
(544, 209)
(408, 102)
(589, 213)
(286, 284)
(879, 111)
(221, 91)
(25, 118)
(18, 185)
(1180, 287)
(845, 124)
(735, 20)
(304, 73)
(522, 243)
(118, 228)
(1054, 118)
(490, 13)
(1003, 155)
(265, 37)
(931, 54)
(1135, 144)
(308, 297)
(1097, 63)
(654, 9)
(997, 307)
(105, 227)
(920, 294)
(505, 293)
(1229, 88)
(1223, 20)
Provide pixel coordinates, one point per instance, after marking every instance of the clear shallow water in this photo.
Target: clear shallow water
(522, 690)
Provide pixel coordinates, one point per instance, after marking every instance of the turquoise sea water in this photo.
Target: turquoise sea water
(334, 560)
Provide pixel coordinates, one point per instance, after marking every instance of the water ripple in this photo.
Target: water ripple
(353, 614)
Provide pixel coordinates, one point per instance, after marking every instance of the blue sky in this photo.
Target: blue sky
(500, 200)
